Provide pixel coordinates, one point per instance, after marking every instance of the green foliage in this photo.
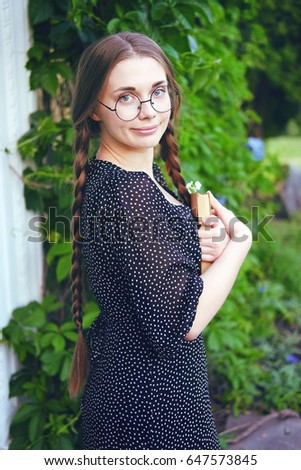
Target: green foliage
(47, 418)
(281, 380)
(251, 338)
(205, 42)
(271, 37)
(281, 260)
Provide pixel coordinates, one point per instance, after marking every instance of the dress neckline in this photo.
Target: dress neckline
(155, 166)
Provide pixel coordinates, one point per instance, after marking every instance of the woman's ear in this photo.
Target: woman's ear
(95, 116)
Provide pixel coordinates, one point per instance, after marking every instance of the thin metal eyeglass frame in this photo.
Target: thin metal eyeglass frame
(140, 106)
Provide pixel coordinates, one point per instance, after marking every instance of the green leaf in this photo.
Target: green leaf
(47, 128)
(63, 35)
(37, 51)
(72, 336)
(39, 13)
(25, 412)
(18, 382)
(27, 145)
(215, 340)
(63, 267)
(48, 78)
(19, 441)
(58, 249)
(59, 343)
(31, 315)
(65, 442)
(64, 70)
(69, 137)
(137, 17)
(119, 10)
(233, 339)
(158, 10)
(67, 326)
(51, 327)
(192, 43)
(40, 444)
(205, 11)
(170, 51)
(14, 333)
(182, 19)
(47, 339)
(65, 369)
(36, 426)
(113, 26)
(50, 303)
(51, 361)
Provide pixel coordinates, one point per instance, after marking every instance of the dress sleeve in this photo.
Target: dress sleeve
(163, 281)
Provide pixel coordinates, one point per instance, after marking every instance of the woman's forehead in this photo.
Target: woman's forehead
(136, 72)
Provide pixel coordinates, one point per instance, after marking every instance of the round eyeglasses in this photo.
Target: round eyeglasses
(128, 106)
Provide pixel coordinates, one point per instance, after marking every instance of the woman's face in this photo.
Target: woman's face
(139, 76)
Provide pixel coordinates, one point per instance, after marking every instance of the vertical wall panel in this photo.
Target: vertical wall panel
(20, 260)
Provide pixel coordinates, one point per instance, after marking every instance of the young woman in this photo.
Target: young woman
(144, 370)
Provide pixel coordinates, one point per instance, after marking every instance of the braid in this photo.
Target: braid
(169, 153)
(80, 362)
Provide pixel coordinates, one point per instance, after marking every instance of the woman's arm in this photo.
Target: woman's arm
(220, 276)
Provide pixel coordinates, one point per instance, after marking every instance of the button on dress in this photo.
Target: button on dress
(148, 386)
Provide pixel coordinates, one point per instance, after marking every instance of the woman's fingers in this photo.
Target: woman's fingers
(214, 234)
(208, 258)
(220, 210)
(210, 221)
(234, 227)
(226, 216)
(213, 237)
(211, 227)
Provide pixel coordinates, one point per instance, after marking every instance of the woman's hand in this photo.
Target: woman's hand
(213, 237)
(237, 230)
(218, 229)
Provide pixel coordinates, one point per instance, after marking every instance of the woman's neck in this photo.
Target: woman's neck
(128, 159)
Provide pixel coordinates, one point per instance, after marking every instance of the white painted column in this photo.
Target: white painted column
(20, 260)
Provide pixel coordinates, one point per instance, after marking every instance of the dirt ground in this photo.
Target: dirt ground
(275, 431)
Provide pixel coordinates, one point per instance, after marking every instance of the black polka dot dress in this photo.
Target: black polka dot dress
(148, 386)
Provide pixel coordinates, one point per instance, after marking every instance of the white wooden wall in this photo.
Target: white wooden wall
(20, 260)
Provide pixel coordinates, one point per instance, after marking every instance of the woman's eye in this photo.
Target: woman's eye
(126, 98)
(158, 92)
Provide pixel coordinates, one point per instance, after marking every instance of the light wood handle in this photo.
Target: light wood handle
(201, 209)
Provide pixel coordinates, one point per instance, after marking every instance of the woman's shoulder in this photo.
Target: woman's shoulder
(99, 185)
(159, 174)
(132, 191)
(102, 173)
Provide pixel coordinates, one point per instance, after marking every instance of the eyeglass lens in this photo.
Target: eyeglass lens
(129, 106)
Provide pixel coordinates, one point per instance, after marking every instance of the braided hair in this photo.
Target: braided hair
(80, 363)
(94, 66)
(169, 153)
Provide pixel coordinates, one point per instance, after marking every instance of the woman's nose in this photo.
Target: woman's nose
(146, 109)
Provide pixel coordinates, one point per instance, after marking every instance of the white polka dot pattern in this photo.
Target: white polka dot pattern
(148, 386)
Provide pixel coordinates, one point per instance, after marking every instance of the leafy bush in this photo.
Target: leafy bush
(47, 418)
(254, 341)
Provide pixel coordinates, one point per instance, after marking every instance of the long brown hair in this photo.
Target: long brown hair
(94, 66)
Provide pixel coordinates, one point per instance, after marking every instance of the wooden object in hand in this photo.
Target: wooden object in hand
(201, 209)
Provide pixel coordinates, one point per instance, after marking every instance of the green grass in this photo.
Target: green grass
(287, 148)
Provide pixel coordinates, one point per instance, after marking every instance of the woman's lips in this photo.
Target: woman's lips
(145, 130)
